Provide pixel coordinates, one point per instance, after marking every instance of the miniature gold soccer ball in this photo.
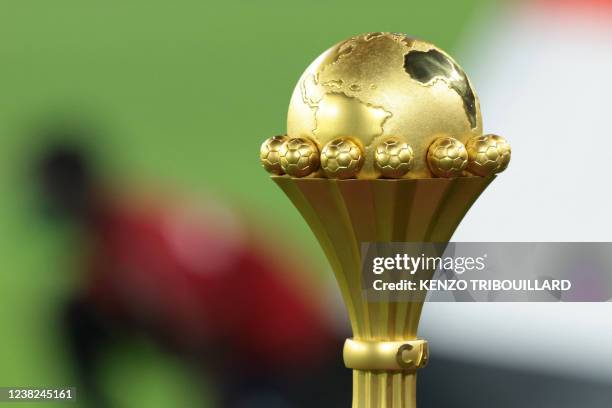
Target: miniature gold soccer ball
(488, 154)
(270, 156)
(299, 157)
(447, 157)
(393, 158)
(341, 158)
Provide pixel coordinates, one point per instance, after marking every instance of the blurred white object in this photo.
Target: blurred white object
(544, 77)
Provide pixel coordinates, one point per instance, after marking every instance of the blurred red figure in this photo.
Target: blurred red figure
(199, 276)
(198, 279)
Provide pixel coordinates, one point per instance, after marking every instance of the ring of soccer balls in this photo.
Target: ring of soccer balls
(342, 158)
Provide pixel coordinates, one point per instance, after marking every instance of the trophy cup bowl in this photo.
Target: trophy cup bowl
(384, 144)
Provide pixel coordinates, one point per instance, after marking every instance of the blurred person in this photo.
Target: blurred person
(200, 280)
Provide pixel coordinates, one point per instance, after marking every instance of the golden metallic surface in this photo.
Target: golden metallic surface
(385, 355)
(344, 213)
(393, 158)
(341, 158)
(269, 154)
(299, 157)
(384, 105)
(488, 154)
(380, 85)
(447, 157)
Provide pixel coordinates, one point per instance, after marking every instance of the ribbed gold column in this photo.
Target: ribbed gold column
(343, 214)
(374, 389)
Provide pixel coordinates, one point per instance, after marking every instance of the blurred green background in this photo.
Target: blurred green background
(183, 93)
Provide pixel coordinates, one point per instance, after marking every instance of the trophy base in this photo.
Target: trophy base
(384, 352)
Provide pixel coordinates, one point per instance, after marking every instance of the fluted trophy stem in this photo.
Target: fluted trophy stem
(373, 389)
(343, 214)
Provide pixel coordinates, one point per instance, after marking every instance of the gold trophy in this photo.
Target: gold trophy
(384, 144)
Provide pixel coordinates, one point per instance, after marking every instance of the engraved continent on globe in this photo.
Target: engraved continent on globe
(380, 85)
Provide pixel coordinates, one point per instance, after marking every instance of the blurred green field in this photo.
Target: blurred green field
(183, 92)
